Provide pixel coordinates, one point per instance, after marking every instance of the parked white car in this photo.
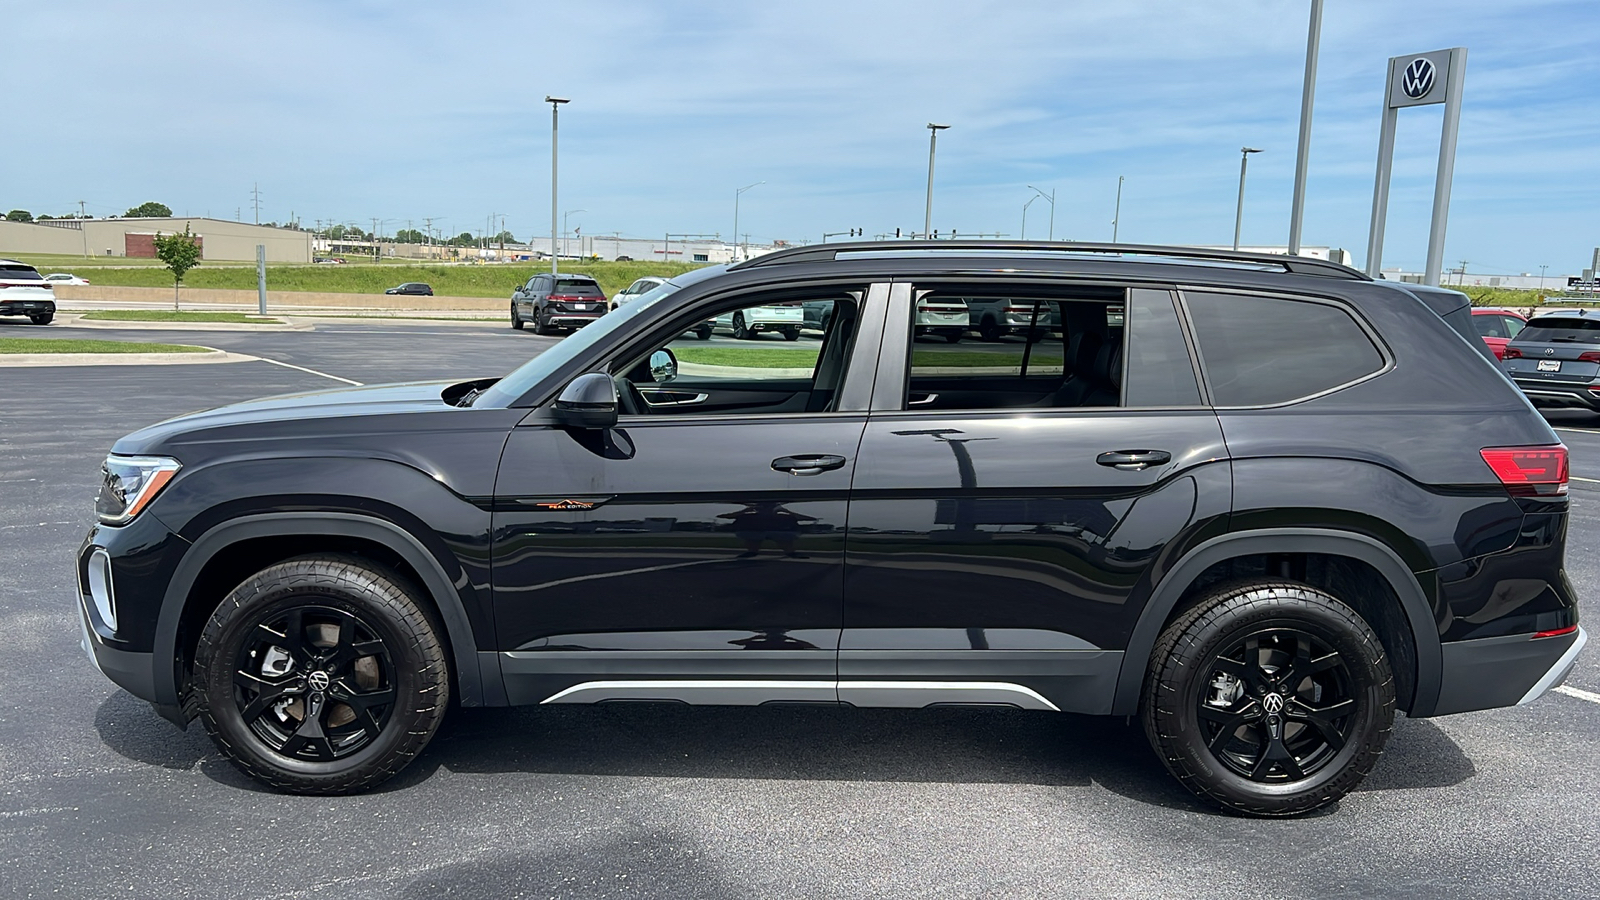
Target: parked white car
(746, 324)
(946, 317)
(61, 278)
(636, 290)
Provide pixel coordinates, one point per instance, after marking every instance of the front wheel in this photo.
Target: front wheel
(43, 319)
(516, 320)
(1269, 698)
(321, 675)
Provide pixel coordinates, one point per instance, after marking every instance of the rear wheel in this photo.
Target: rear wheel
(703, 332)
(792, 333)
(540, 325)
(989, 330)
(1269, 698)
(952, 337)
(740, 332)
(516, 320)
(43, 319)
(321, 675)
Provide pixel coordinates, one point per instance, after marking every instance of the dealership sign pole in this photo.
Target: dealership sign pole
(1419, 79)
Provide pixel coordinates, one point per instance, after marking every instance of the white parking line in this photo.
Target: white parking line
(1581, 694)
(1578, 478)
(1578, 430)
(311, 371)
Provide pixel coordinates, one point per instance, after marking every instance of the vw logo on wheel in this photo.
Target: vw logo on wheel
(1272, 703)
(1418, 78)
(319, 680)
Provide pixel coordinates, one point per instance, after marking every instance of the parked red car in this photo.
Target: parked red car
(1498, 327)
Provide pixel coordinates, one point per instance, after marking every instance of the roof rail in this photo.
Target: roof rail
(1299, 265)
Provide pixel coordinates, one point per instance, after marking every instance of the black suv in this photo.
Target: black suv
(554, 302)
(1259, 502)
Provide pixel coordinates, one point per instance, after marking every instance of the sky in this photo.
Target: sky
(350, 111)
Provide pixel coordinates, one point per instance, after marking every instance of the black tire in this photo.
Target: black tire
(703, 332)
(516, 320)
(952, 337)
(740, 332)
(539, 324)
(43, 319)
(989, 330)
(1205, 703)
(791, 333)
(376, 686)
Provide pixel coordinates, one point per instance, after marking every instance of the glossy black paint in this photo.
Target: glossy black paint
(670, 546)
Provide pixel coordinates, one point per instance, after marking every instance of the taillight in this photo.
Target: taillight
(1589, 356)
(1556, 632)
(1529, 471)
(1513, 353)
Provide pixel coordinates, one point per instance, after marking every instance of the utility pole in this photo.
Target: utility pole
(255, 198)
(1116, 217)
(1541, 275)
(81, 213)
(1052, 198)
(555, 109)
(933, 143)
(1302, 158)
(1462, 273)
(1238, 218)
(736, 195)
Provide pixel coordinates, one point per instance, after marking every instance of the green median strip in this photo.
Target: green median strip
(52, 345)
(748, 358)
(167, 315)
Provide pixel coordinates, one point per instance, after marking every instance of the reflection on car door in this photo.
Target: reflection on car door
(683, 555)
(1000, 520)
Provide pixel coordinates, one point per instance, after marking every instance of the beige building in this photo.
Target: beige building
(220, 240)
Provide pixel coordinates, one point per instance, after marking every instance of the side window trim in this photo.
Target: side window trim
(1384, 353)
(1193, 343)
(894, 353)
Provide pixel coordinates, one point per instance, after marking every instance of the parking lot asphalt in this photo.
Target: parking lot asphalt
(99, 797)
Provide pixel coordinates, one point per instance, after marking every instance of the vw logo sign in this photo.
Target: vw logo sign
(319, 680)
(1272, 703)
(1418, 78)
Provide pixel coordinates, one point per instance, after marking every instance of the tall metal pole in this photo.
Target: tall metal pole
(1116, 217)
(1025, 216)
(1051, 197)
(1302, 158)
(933, 144)
(1238, 217)
(737, 193)
(1447, 166)
(1380, 186)
(555, 108)
(261, 279)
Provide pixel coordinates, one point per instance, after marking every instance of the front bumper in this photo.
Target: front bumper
(1513, 670)
(131, 670)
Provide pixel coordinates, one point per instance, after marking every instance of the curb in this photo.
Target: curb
(33, 360)
(77, 321)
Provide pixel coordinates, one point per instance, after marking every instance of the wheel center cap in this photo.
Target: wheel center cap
(1272, 703)
(319, 681)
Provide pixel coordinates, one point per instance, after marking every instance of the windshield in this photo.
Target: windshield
(523, 379)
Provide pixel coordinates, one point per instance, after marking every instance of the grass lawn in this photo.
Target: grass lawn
(167, 315)
(52, 345)
(749, 358)
(450, 280)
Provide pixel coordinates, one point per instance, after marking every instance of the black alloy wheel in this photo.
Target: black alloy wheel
(516, 320)
(321, 675)
(43, 319)
(1269, 698)
(541, 324)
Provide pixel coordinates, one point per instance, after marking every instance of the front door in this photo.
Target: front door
(1010, 495)
(695, 552)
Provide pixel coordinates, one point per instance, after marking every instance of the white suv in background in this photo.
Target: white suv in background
(23, 292)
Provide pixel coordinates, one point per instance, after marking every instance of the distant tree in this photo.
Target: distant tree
(504, 236)
(44, 218)
(19, 215)
(336, 233)
(181, 252)
(464, 239)
(151, 210)
(408, 236)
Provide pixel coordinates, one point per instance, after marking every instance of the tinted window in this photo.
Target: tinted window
(1265, 350)
(20, 273)
(1562, 330)
(1490, 326)
(1159, 370)
(578, 287)
(1513, 325)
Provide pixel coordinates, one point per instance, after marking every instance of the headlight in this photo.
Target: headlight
(130, 483)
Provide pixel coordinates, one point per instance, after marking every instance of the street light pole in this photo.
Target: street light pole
(555, 109)
(737, 193)
(1238, 217)
(1025, 216)
(1302, 158)
(1052, 198)
(933, 143)
(1116, 217)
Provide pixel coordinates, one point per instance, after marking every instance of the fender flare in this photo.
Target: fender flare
(1413, 602)
(474, 686)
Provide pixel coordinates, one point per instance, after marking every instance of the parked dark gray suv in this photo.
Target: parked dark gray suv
(1259, 502)
(557, 302)
(1555, 359)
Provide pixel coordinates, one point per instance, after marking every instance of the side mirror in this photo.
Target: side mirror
(590, 401)
(663, 366)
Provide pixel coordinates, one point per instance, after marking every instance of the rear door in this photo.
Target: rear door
(1011, 497)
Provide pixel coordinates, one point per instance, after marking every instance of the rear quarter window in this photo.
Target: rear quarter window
(1260, 351)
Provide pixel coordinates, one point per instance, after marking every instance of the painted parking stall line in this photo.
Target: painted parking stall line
(309, 371)
(1579, 693)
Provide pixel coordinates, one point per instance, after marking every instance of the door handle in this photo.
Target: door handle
(922, 399)
(1133, 460)
(807, 463)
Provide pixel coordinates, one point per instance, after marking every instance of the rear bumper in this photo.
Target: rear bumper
(27, 307)
(1559, 394)
(570, 320)
(1513, 670)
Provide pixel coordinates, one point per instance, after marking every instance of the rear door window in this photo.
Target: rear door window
(1260, 351)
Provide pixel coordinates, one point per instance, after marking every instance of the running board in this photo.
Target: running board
(894, 694)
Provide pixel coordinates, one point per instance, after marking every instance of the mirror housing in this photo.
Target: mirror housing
(590, 401)
(663, 366)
